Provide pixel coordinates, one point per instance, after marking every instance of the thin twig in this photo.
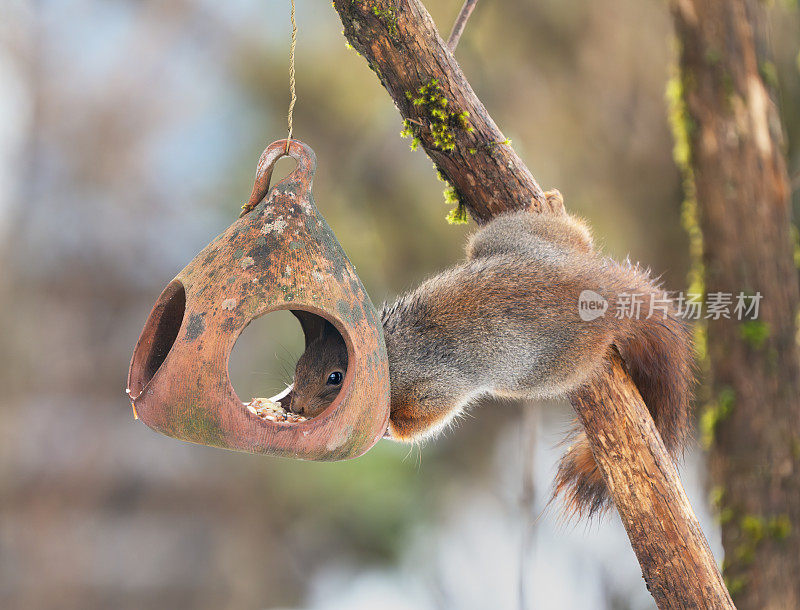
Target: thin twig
(527, 500)
(460, 24)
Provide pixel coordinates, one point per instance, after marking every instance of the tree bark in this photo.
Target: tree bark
(403, 48)
(676, 561)
(742, 191)
(400, 42)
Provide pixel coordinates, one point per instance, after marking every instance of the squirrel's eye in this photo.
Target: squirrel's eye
(334, 378)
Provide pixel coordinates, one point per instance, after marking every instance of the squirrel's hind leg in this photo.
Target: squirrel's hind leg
(530, 233)
(555, 202)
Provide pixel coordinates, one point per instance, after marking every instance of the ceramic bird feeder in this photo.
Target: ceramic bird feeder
(281, 254)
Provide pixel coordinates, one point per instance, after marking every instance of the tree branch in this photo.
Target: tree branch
(743, 210)
(460, 24)
(402, 46)
(400, 42)
(676, 560)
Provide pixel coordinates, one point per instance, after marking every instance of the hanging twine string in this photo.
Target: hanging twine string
(292, 99)
(291, 79)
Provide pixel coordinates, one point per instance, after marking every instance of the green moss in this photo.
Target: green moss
(376, 70)
(769, 73)
(725, 515)
(753, 527)
(796, 242)
(408, 131)
(700, 340)
(726, 400)
(749, 531)
(755, 333)
(681, 150)
(457, 215)
(683, 128)
(443, 120)
(745, 554)
(493, 145)
(388, 18)
(716, 498)
(752, 531)
(779, 527)
(386, 15)
(714, 413)
(713, 56)
(735, 585)
(441, 117)
(729, 87)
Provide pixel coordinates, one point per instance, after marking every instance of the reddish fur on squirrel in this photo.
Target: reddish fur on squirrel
(506, 322)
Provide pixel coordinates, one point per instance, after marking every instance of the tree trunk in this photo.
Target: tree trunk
(400, 42)
(742, 191)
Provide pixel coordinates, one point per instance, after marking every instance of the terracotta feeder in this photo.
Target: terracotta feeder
(281, 254)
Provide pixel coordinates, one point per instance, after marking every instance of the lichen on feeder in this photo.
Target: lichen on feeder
(280, 254)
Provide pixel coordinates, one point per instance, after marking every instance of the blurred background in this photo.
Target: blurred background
(129, 135)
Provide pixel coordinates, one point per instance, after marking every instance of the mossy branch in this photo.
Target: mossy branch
(453, 128)
(487, 178)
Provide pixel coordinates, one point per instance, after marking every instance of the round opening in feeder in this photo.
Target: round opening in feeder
(158, 337)
(285, 377)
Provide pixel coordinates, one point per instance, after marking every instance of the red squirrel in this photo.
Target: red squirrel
(506, 322)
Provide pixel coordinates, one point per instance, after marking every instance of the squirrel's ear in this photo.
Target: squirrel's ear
(329, 330)
(313, 325)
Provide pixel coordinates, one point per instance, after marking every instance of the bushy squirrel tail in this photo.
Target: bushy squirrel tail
(658, 355)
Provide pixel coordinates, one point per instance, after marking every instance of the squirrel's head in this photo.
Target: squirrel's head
(319, 373)
(318, 378)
